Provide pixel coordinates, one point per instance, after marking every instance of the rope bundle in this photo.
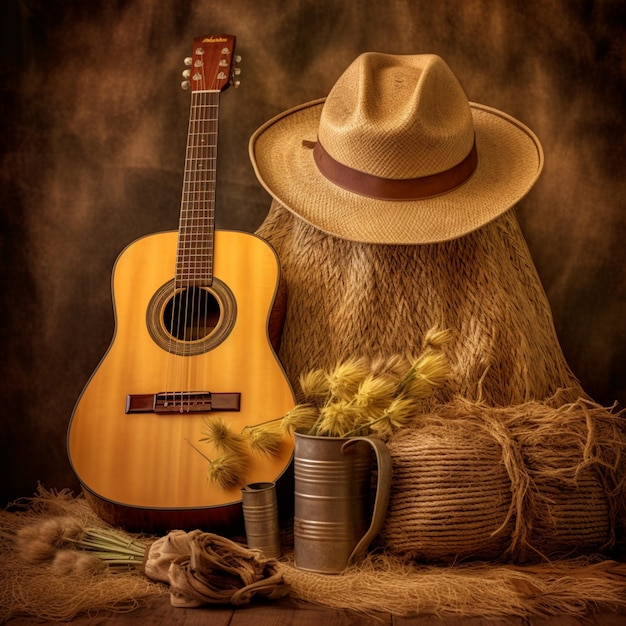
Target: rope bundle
(451, 494)
(519, 483)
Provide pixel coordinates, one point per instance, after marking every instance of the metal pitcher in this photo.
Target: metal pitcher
(333, 521)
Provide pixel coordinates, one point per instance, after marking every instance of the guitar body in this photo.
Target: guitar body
(148, 470)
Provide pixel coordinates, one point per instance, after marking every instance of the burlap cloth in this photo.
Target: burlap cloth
(511, 460)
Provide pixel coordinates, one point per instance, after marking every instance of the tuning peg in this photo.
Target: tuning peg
(188, 60)
(237, 84)
(185, 84)
(186, 73)
(236, 71)
(237, 58)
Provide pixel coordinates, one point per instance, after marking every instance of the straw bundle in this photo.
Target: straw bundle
(451, 493)
(347, 299)
(522, 482)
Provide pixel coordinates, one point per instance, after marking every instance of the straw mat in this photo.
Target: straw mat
(381, 582)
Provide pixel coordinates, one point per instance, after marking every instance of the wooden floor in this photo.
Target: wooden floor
(286, 612)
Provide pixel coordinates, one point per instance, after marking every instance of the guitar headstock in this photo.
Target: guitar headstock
(212, 64)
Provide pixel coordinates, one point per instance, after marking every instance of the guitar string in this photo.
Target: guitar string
(196, 231)
(206, 235)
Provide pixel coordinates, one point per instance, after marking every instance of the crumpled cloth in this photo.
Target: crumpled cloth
(204, 568)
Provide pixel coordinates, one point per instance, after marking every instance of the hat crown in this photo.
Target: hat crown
(397, 117)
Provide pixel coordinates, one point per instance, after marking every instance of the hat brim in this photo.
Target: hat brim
(510, 160)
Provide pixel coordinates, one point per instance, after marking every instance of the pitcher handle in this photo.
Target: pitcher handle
(383, 488)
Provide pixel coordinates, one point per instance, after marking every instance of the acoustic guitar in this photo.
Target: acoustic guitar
(192, 316)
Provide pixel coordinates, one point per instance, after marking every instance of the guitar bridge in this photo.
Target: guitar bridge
(182, 402)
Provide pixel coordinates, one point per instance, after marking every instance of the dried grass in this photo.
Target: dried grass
(388, 584)
(40, 590)
(349, 300)
(380, 582)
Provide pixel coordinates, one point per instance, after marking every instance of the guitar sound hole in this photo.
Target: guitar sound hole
(192, 314)
(192, 320)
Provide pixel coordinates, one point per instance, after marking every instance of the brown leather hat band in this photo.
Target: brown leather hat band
(392, 188)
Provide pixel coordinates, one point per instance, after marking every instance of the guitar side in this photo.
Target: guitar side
(149, 470)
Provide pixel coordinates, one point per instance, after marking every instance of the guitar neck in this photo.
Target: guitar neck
(210, 73)
(194, 261)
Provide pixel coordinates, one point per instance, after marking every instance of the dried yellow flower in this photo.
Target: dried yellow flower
(430, 371)
(345, 379)
(301, 418)
(265, 439)
(315, 387)
(375, 391)
(228, 470)
(337, 419)
(218, 433)
(358, 397)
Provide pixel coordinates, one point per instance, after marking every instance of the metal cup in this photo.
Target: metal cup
(260, 515)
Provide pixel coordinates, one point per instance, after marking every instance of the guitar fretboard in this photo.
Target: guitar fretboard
(194, 259)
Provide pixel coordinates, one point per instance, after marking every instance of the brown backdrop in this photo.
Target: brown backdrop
(93, 136)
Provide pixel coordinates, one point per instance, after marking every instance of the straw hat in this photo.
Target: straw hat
(396, 154)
